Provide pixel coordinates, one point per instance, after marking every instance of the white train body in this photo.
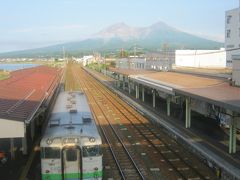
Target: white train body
(70, 147)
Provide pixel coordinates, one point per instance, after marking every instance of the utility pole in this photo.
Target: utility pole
(135, 50)
(63, 53)
(122, 53)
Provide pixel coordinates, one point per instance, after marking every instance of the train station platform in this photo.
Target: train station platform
(214, 153)
(23, 97)
(211, 72)
(212, 90)
(130, 71)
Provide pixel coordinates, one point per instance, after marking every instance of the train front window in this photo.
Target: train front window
(51, 153)
(71, 154)
(91, 151)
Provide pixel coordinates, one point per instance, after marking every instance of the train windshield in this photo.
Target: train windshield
(71, 154)
(89, 151)
(50, 153)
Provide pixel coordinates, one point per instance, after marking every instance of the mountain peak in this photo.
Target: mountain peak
(121, 35)
(119, 25)
(161, 25)
(119, 30)
(124, 32)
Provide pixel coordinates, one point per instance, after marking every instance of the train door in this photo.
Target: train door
(72, 163)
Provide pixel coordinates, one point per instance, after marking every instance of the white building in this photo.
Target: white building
(131, 63)
(236, 70)
(201, 58)
(232, 33)
(85, 60)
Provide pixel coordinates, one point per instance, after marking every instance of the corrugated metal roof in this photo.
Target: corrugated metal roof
(131, 71)
(22, 93)
(215, 91)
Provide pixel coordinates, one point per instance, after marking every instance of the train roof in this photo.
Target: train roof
(71, 117)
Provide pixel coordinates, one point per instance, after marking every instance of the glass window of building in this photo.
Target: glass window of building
(228, 33)
(229, 19)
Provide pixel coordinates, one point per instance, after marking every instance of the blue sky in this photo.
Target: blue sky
(29, 24)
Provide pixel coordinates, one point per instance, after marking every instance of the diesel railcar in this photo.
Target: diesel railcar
(71, 144)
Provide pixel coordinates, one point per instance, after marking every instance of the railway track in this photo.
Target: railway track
(130, 136)
(125, 162)
(70, 83)
(166, 150)
(126, 165)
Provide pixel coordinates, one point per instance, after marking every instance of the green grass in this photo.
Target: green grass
(4, 75)
(97, 67)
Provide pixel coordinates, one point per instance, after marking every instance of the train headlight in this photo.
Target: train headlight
(49, 141)
(92, 139)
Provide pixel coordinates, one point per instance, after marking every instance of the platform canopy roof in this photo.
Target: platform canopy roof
(216, 91)
(21, 96)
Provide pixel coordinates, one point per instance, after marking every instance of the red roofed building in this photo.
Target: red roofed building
(23, 97)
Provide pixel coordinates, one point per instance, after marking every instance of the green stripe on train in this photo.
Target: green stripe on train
(71, 175)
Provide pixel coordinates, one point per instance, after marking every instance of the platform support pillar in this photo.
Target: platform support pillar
(232, 135)
(32, 126)
(143, 94)
(154, 98)
(12, 148)
(118, 81)
(188, 113)
(124, 82)
(168, 106)
(24, 142)
(129, 86)
(137, 91)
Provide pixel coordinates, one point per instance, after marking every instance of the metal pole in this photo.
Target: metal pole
(232, 136)
(24, 141)
(123, 82)
(12, 148)
(188, 113)
(154, 98)
(143, 93)
(137, 91)
(168, 106)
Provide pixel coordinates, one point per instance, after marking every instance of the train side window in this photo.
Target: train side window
(51, 153)
(42, 152)
(71, 154)
(91, 151)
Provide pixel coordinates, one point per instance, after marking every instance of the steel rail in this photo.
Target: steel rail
(123, 145)
(166, 145)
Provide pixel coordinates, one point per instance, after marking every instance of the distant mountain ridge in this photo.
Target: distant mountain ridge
(123, 31)
(120, 36)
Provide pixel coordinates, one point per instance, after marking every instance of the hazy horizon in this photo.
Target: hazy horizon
(27, 25)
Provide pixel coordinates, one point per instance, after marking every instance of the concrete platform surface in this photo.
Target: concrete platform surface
(128, 72)
(213, 90)
(183, 80)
